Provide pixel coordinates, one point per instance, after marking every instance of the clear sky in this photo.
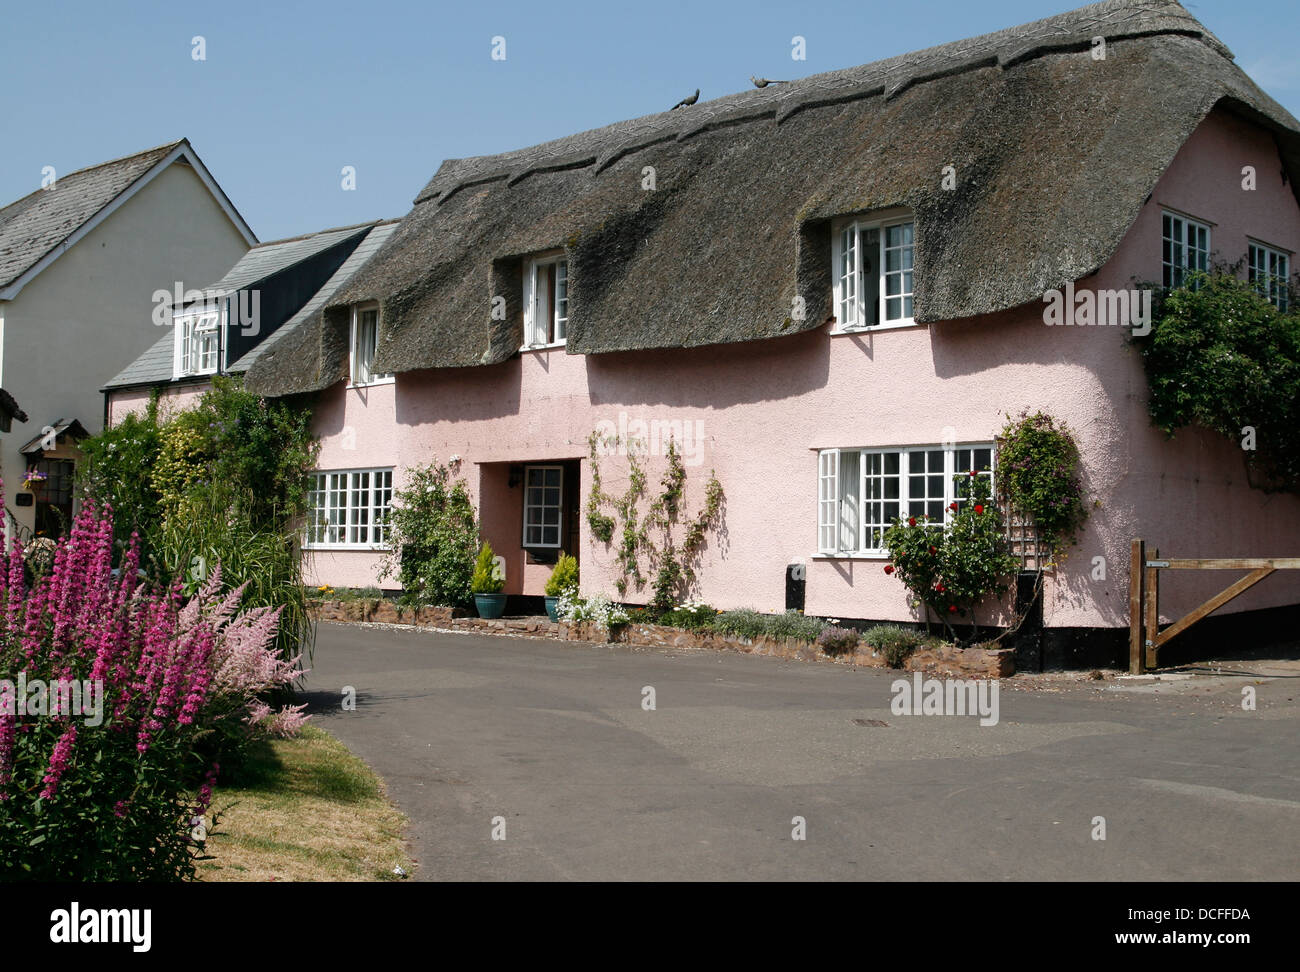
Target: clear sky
(290, 93)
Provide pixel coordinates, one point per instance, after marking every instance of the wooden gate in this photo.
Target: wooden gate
(1145, 636)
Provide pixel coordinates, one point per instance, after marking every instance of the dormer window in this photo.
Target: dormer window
(198, 341)
(365, 345)
(546, 302)
(873, 261)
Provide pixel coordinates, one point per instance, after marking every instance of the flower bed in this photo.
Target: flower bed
(938, 659)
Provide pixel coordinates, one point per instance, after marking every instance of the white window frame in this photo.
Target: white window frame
(1179, 235)
(539, 332)
(197, 348)
(559, 507)
(836, 523)
(361, 358)
(346, 504)
(1268, 268)
(850, 285)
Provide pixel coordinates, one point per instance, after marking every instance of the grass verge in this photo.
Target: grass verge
(305, 809)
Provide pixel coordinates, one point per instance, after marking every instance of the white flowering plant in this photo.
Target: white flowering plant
(597, 609)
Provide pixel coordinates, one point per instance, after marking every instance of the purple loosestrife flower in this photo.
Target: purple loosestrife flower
(59, 761)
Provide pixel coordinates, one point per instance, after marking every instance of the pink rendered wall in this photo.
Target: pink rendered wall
(133, 401)
(765, 408)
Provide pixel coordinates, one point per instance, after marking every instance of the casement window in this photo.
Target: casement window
(1270, 272)
(872, 263)
(365, 344)
(543, 499)
(349, 508)
(861, 491)
(546, 302)
(1186, 247)
(198, 342)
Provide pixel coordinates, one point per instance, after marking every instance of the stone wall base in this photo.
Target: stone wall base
(943, 660)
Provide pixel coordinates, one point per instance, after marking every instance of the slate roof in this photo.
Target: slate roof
(37, 224)
(288, 338)
(155, 366)
(1055, 153)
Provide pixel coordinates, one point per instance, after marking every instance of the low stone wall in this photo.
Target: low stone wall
(943, 660)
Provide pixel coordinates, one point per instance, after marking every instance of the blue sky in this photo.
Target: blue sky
(290, 93)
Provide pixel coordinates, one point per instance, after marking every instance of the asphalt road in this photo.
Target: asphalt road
(553, 738)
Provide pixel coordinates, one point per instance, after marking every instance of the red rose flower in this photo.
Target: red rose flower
(979, 508)
(952, 608)
(953, 507)
(940, 588)
(974, 473)
(889, 568)
(933, 550)
(911, 521)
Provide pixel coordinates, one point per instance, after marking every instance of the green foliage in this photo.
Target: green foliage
(119, 467)
(747, 623)
(564, 576)
(895, 643)
(692, 616)
(222, 482)
(1038, 464)
(433, 535)
(487, 577)
(209, 527)
(1222, 357)
(953, 568)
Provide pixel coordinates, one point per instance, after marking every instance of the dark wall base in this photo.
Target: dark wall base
(1268, 633)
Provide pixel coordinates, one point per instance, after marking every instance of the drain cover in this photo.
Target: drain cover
(871, 722)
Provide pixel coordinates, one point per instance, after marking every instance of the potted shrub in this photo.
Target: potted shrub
(486, 585)
(563, 578)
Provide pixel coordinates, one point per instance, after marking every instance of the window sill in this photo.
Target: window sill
(345, 547)
(372, 384)
(880, 555)
(891, 326)
(541, 347)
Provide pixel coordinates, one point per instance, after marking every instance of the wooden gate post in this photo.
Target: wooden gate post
(1136, 645)
(1151, 624)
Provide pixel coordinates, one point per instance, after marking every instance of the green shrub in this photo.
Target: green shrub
(1038, 464)
(952, 568)
(433, 536)
(487, 577)
(895, 643)
(747, 623)
(692, 615)
(1221, 356)
(564, 577)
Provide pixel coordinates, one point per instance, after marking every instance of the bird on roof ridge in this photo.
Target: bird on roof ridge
(764, 82)
(687, 101)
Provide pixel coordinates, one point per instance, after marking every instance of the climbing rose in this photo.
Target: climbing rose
(889, 568)
(952, 608)
(953, 507)
(979, 508)
(911, 521)
(974, 473)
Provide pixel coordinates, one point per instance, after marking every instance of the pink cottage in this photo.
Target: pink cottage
(831, 293)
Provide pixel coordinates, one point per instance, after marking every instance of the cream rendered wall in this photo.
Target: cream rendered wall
(88, 314)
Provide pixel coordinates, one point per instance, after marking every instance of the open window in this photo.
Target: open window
(873, 272)
(365, 345)
(198, 341)
(546, 301)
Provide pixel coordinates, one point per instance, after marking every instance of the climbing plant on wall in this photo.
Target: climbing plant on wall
(663, 533)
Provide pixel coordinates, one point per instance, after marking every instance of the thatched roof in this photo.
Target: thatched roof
(1055, 153)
